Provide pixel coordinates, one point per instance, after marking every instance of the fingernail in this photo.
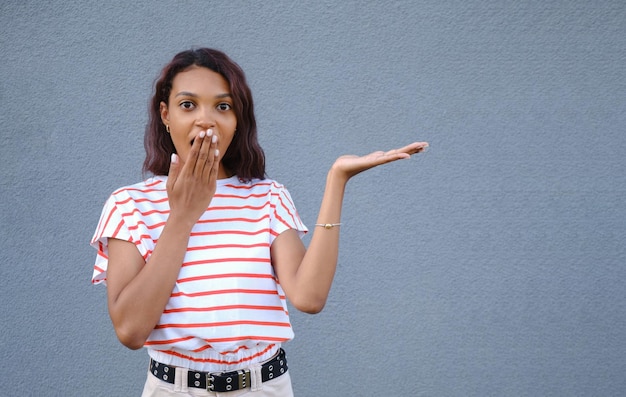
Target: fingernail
(201, 134)
(209, 132)
(217, 152)
(214, 139)
(174, 158)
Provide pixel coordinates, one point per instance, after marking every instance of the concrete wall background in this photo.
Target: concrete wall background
(491, 265)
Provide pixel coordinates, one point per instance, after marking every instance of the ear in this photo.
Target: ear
(165, 114)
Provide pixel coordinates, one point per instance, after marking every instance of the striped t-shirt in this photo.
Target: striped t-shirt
(227, 308)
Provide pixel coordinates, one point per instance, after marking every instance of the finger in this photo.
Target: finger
(212, 175)
(192, 157)
(173, 172)
(414, 147)
(407, 151)
(203, 153)
(212, 163)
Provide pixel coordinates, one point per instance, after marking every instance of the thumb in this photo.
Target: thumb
(174, 171)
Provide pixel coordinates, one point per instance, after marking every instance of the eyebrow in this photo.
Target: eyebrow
(191, 94)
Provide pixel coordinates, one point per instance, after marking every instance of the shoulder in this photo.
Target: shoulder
(150, 188)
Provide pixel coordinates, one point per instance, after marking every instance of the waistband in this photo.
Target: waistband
(223, 381)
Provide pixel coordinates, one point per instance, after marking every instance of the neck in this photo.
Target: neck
(223, 173)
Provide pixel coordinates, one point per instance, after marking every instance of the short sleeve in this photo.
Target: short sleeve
(111, 225)
(284, 214)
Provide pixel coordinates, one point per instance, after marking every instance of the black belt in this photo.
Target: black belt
(224, 381)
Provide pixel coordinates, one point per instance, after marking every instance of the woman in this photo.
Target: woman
(200, 259)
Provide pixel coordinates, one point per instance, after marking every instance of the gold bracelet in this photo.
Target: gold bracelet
(328, 225)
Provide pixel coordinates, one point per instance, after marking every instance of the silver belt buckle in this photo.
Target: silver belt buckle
(209, 382)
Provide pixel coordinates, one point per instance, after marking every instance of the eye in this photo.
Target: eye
(224, 106)
(187, 105)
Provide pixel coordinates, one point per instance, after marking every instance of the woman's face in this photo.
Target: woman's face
(200, 100)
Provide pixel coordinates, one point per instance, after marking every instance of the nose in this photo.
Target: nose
(206, 119)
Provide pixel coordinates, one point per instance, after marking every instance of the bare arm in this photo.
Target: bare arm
(137, 292)
(306, 275)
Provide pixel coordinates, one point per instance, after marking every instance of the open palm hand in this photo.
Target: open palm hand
(351, 165)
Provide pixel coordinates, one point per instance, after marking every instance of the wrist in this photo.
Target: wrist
(181, 222)
(336, 177)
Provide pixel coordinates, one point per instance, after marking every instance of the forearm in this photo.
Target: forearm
(317, 269)
(140, 304)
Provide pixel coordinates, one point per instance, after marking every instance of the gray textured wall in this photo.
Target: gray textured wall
(491, 265)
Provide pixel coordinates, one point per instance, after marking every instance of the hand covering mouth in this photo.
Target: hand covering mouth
(193, 139)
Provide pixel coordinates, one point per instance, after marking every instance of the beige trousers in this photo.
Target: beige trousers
(278, 387)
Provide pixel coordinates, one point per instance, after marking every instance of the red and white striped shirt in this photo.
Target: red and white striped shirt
(227, 309)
